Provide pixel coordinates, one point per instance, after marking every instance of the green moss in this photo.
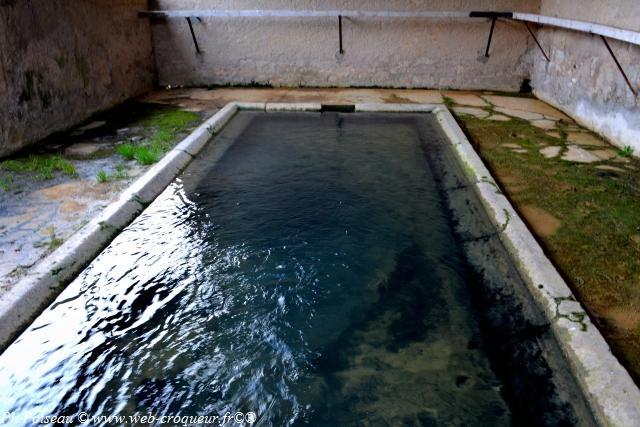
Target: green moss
(54, 241)
(42, 166)
(83, 68)
(448, 102)
(169, 119)
(6, 182)
(599, 213)
(163, 127)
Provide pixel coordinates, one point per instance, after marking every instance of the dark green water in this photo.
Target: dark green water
(303, 268)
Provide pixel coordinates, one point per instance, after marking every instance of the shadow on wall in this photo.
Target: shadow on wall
(63, 60)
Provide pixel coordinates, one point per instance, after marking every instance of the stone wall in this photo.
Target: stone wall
(582, 79)
(62, 60)
(432, 53)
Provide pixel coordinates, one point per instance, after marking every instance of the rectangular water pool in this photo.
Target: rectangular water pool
(304, 267)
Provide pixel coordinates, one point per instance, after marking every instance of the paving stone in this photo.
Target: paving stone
(610, 168)
(579, 155)
(509, 145)
(554, 134)
(527, 104)
(499, 118)
(620, 159)
(525, 115)
(585, 139)
(544, 124)
(476, 112)
(550, 152)
(605, 154)
(466, 99)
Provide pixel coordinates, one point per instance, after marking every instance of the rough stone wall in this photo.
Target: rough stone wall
(582, 79)
(429, 53)
(62, 60)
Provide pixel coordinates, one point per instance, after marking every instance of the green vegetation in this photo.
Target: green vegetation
(597, 247)
(127, 150)
(120, 173)
(43, 166)
(102, 176)
(6, 182)
(163, 126)
(627, 151)
(55, 241)
(448, 102)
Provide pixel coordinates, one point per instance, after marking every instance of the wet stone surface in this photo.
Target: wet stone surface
(38, 214)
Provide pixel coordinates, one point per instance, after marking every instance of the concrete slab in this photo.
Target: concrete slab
(469, 99)
(554, 134)
(585, 139)
(521, 114)
(610, 168)
(526, 104)
(550, 152)
(579, 155)
(544, 124)
(499, 118)
(606, 154)
(475, 112)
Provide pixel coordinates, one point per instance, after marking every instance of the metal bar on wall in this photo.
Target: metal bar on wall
(537, 42)
(626, 79)
(340, 32)
(193, 35)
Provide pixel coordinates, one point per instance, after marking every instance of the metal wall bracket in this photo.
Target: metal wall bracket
(494, 17)
(493, 25)
(340, 33)
(193, 36)
(626, 79)
(537, 42)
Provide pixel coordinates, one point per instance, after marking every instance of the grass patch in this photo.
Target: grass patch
(163, 127)
(6, 182)
(102, 176)
(127, 150)
(42, 166)
(120, 173)
(627, 151)
(597, 247)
